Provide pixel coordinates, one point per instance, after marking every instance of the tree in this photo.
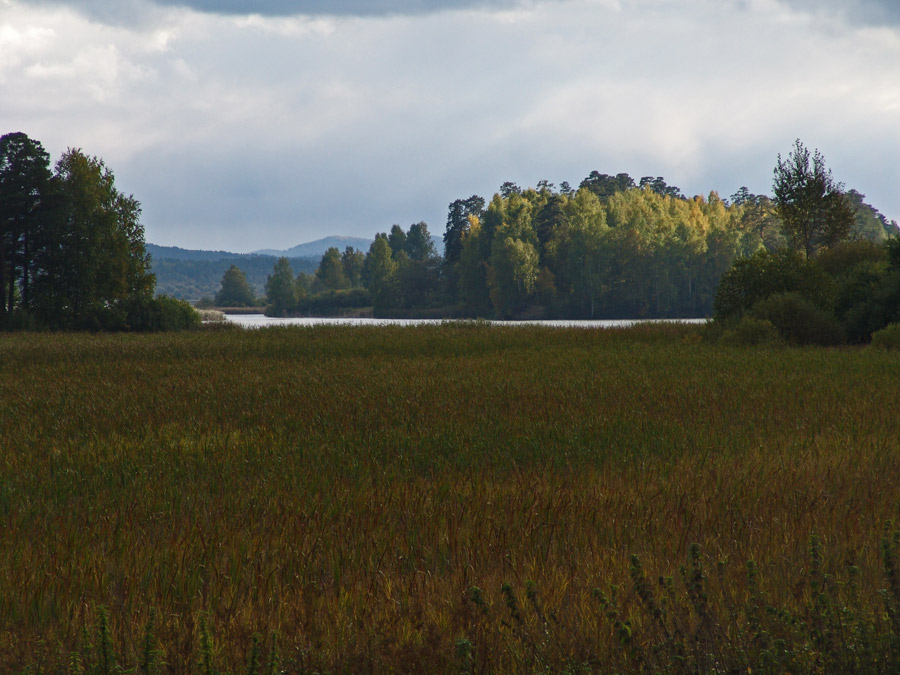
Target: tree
(508, 189)
(397, 240)
(352, 262)
(869, 223)
(419, 245)
(380, 272)
(814, 211)
(471, 272)
(461, 214)
(281, 289)
(458, 224)
(25, 197)
(604, 186)
(91, 267)
(585, 252)
(330, 273)
(765, 274)
(514, 272)
(659, 186)
(235, 291)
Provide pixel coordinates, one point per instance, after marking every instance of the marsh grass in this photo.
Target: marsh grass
(457, 498)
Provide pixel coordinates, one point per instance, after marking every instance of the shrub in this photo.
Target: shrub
(334, 301)
(888, 337)
(753, 279)
(798, 320)
(845, 256)
(751, 331)
(160, 314)
(176, 314)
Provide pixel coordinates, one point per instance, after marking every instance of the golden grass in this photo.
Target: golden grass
(365, 494)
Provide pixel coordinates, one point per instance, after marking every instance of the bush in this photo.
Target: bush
(753, 279)
(751, 331)
(799, 321)
(334, 301)
(845, 256)
(176, 314)
(888, 337)
(160, 314)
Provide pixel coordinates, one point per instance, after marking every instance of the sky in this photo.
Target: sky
(241, 131)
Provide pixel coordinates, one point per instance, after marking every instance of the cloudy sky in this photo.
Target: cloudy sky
(307, 118)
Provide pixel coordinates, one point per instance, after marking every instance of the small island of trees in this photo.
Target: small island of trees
(616, 248)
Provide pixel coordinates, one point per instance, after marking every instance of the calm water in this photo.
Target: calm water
(260, 321)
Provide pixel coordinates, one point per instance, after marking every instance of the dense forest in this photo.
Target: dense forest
(196, 275)
(72, 249)
(612, 248)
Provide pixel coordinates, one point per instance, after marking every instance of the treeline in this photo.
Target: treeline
(613, 248)
(72, 250)
(199, 280)
(827, 286)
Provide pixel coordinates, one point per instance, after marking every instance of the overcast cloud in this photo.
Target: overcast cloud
(256, 131)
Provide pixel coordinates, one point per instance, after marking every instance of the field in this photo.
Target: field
(457, 498)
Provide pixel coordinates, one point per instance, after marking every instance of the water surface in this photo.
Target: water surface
(261, 321)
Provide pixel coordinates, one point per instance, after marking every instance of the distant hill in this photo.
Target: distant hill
(318, 247)
(176, 253)
(194, 274)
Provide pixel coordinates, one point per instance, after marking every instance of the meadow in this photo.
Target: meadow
(449, 499)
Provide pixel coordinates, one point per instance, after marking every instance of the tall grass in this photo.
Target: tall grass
(458, 498)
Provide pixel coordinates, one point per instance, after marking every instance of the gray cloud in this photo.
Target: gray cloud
(864, 12)
(242, 133)
(119, 11)
(332, 7)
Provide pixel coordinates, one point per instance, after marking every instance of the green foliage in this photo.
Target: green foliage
(756, 278)
(281, 289)
(89, 259)
(334, 303)
(330, 274)
(854, 284)
(235, 291)
(27, 196)
(869, 223)
(814, 211)
(380, 272)
(471, 273)
(843, 257)
(888, 337)
(419, 246)
(192, 280)
(750, 331)
(514, 271)
(799, 321)
(460, 215)
(352, 262)
(161, 313)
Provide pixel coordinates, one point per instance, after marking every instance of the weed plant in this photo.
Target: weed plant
(454, 498)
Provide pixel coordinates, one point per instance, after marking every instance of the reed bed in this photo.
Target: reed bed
(455, 498)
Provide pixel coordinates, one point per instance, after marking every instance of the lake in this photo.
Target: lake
(262, 321)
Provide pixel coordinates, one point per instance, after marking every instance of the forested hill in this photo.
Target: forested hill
(192, 274)
(317, 248)
(195, 274)
(177, 253)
